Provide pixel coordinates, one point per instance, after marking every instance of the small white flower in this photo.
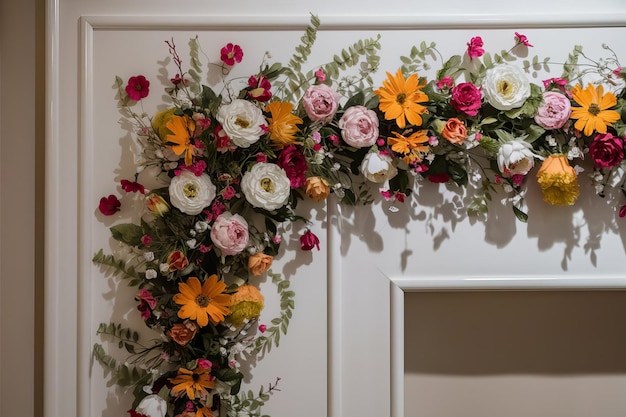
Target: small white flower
(506, 87)
(242, 122)
(164, 267)
(266, 186)
(151, 274)
(191, 243)
(190, 193)
(201, 226)
(148, 256)
(192, 233)
(152, 406)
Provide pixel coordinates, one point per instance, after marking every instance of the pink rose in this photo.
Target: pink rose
(474, 47)
(320, 102)
(554, 111)
(466, 98)
(359, 127)
(230, 233)
(293, 162)
(606, 150)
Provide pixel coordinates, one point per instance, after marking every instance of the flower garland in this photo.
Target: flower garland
(231, 166)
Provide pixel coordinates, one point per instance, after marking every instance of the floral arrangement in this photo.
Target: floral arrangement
(219, 174)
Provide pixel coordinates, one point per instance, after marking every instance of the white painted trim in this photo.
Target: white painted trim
(334, 316)
(510, 283)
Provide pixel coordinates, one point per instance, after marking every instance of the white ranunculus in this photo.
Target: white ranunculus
(266, 186)
(516, 157)
(378, 168)
(190, 193)
(506, 87)
(242, 122)
(152, 406)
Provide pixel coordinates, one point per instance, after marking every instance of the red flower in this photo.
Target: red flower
(466, 98)
(308, 241)
(231, 54)
(133, 413)
(622, 211)
(109, 205)
(132, 187)
(474, 47)
(522, 39)
(439, 178)
(606, 150)
(259, 88)
(137, 87)
(293, 162)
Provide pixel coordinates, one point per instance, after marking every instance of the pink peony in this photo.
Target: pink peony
(466, 98)
(231, 54)
(320, 102)
(474, 47)
(293, 162)
(606, 150)
(138, 87)
(109, 205)
(554, 111)
(359, 127)
(230, 233)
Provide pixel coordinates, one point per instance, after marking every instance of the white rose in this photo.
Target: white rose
(190, 193)
(242, 122)
(152, 406)
(266, 186)
(516, 157)
(506, 87)
(378, 168)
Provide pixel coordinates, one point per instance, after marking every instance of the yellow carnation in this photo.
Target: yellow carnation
(247, 304)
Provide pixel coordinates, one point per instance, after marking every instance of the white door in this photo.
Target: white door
(343, 355)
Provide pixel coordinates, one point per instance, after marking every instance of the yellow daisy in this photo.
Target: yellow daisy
(182, 128)
(194, 382)
(282, 124)
(593, 115)
(412, 147)
(400, 98)
(203, 302)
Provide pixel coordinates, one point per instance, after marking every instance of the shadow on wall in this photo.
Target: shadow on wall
(492, 333)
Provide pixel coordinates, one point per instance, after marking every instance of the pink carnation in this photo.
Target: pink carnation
(466, 98)
(474, 47)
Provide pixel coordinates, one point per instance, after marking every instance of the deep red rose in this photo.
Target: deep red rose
(308, 241)
(466, 98)
(606, 150)
(109, 205)
(293, 162)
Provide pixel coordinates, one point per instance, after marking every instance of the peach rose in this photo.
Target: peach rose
(259, 263)
(182, 333)
(317, 188)
(454, 131)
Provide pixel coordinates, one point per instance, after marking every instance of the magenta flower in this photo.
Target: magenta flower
(308, 241)
(262, 328)
(622, 211)
(138, 87)
(475, 47)
(146, 240)
(147, 303)
(522, 39)
(109, 205)
(231, 54)
(445, 82)
(132, 187)
(319, 74)
(259, 88)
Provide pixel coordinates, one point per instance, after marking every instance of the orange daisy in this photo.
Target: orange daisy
(203, 302)
(400, 98)
(182, 128)
(594, 114)
(194, 382)
(412, 147)
(282, 124)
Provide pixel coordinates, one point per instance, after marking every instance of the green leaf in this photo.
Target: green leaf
(128, 233)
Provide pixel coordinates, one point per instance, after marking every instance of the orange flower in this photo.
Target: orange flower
(282, 124)
(593, 115)
(558, 181)
(454, 131)
(317, 188)
(182, 128)
(194, 382)
(411, 147)
(182, 333)
(259, 263)
(399, 99)
(203, 302)
(177, 261)
(247, 304)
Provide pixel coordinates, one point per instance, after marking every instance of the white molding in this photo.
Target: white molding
(363, 22)
(334, 305)
(511, 283)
